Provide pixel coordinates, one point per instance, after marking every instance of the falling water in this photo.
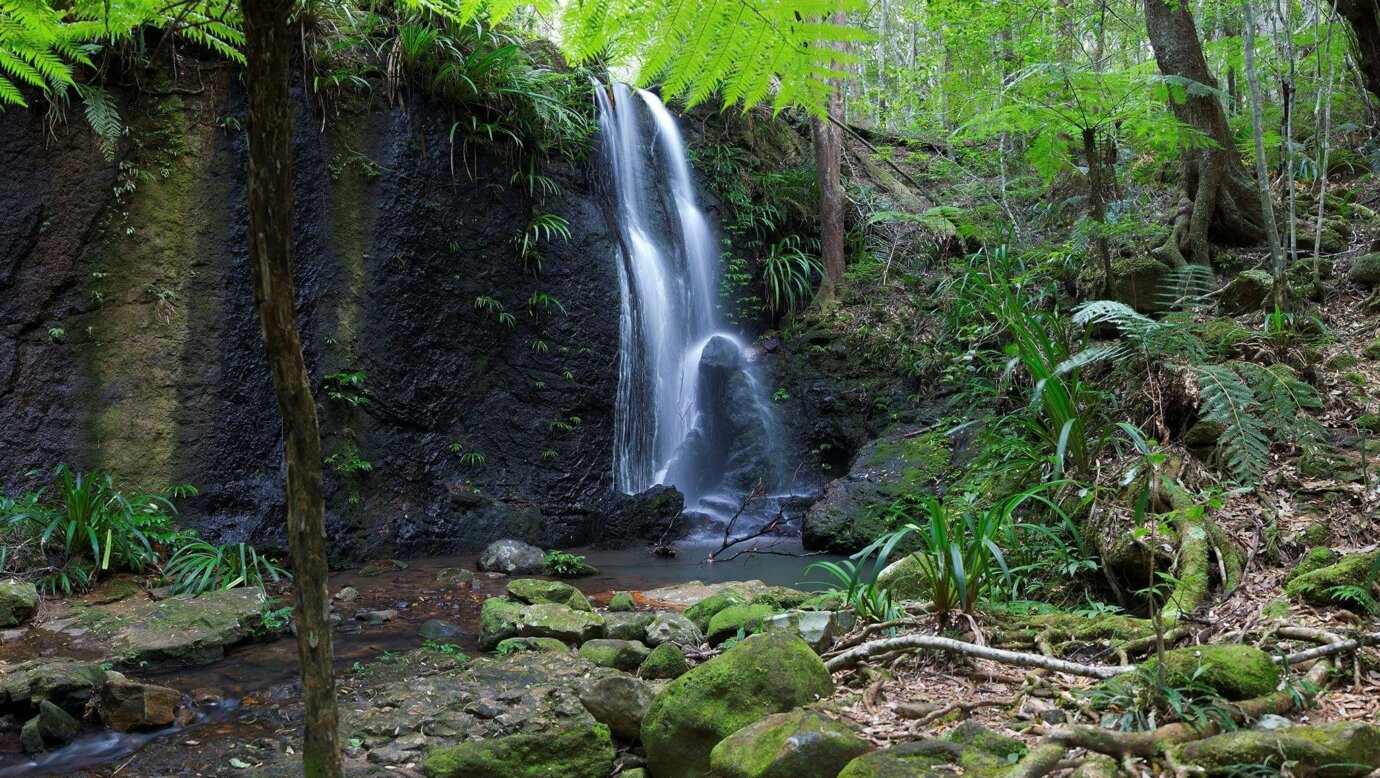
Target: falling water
(690, 411)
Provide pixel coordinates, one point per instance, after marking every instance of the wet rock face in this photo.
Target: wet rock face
(102, 373)
(634, 519)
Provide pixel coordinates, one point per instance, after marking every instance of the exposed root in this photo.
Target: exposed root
(906, 642)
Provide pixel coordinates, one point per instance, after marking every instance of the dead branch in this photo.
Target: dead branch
(934, 642)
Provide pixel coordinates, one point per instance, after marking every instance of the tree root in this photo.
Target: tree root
(905, 642)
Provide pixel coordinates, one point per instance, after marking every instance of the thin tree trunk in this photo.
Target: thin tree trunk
(1324, 148)
(1261, 169)
(1224, 207)
(1097, 207)
(268, 47)
(1289, 88)
(828, 141)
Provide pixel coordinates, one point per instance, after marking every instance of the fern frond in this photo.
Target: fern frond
(1187, 287)
(103, 116)
(1228, 401)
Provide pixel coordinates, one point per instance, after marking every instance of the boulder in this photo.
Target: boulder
(621, 602)
(704, 610)
(635, 519)
(535, 591)
(817, 628)
(567, 625)
(923, 759)
(673, 628)
(67, 682)
(128, 705)
(497, 622)
(1236, 672)
(18, 602)
(186, 629)
(512, 557)
(1343, 749)
(1248, 291)
(1365, 270)
(853, 511)
(625, 655)
(29, 737)
(456, 576)
(690, 593)
(56, 726)
(547, 645)
(439, 629)
(735, 620)
(619, 701)
(665, 662)
(905, 579)
(1316, 558)
(1139, 281)
(759, 676)
(581, 751)
(627, 626)
(798, 744)
(347, 594)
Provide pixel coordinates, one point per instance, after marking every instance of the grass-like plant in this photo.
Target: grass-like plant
(200, 567)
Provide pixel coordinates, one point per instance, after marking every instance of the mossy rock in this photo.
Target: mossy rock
(728, 622)
(1236, 672)
(665, 662)
(1365, 270)
(579, 751)
(18, 602)
(621, 602)
(666, 627)
(1223, 335)
(548, 620)
(973, 734)
(762, 675)
(1370, 421)
(782, 599)
(534, 591)
(1372, 349)
(625, 655)
(543, 645)
(497, 622)
(926, 759)
(905, 579)
(1248, 291)
(798, 744)
(1343, 361)
(1315, 559)
(1138, 281)
(1072, 627)
(627, 626)
(1320, 587)
(827, 601)
(64, 681)
(1317, 533)
(1277, 608)
(1341, 749)
(701, 612)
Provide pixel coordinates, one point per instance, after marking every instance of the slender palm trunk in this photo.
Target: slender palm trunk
(268, 47)
(1261, 169)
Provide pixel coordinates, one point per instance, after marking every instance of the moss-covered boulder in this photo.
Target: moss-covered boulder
(1338, 584)
(497, 622)
(621, 602)
(1248, 291)
(925, 759)
(1138, 281)
(68, 683)
(798, 744)
(1316, 559)
(853, 510)
(55, 725)
(666, 627)
(731, 621)
(762, 675)
(18, 602)
(543, 645)
(535, 591)
(568, 625)
(1342, 749)
(1236, 672)
(625, 655)
(665, 662)
(905, 579)
(704, 610)
(579, 751)
(1372, 350)
(627, 626)
(1365, 270)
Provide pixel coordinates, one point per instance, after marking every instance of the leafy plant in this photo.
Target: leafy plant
(276, 617)
(543, 228)
(201, 567)
(864, 597)
(347, 387)
(564, 564)
(789, 274)
(444, 649)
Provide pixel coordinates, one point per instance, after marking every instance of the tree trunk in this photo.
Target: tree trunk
(268, 47)
(1225, 206)
(1364, 16)
(1097, 207)
(828, 140)
(1262, 174)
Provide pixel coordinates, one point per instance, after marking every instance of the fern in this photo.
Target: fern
(103, 116)
(1187, 288)
(1227, 400)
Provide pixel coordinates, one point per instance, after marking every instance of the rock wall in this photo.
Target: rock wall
(128, 341)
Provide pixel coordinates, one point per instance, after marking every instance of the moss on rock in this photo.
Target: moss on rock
(1137, 281)
(762, 675)
(621, 602)
(497, 622)
(625, 655)
(730, 621)
(1236, 672)
(535, 591)
(925, 759)
(1340, 749)
(1365, 270)
(18, 602)
(1316, 559)
(666, 661)
(798, 744)
(1334, 584)
(701, 612)
(545, 645)
(1248, 291)
(580, 751)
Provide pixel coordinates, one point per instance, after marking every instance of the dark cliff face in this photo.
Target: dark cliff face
(128, 340)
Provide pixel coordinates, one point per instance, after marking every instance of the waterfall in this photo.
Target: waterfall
(690, 411)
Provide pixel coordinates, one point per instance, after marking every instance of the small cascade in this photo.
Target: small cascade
(690, 410)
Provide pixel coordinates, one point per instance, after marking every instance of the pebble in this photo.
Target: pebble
(347, 594)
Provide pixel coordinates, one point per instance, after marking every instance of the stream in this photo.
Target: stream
(233, 691)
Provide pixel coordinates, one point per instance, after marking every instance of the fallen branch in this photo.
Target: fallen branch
(934, 642)
(1331, 649)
